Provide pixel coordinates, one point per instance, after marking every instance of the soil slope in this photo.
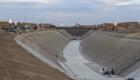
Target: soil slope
(18, 64)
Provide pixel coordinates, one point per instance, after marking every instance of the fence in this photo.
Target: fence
(127, 63)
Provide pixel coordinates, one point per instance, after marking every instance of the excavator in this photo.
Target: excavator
(77, 25)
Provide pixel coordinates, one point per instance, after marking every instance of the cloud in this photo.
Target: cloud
(107, 8)
(42, 1)
(66, 15)
(138, 8)
(120, 2)
(124, 3)
(69, 12)
(8, 0)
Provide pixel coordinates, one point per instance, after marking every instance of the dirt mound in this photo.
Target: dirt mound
(18, 64)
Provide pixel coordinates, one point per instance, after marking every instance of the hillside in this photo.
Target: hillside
(18, 64)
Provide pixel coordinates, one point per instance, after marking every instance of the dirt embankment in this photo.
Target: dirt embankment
(18, 64)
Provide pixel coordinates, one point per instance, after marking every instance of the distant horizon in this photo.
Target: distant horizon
(69, 25)
(84, 12)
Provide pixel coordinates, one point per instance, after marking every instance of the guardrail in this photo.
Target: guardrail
(30, 36)
(127, 63)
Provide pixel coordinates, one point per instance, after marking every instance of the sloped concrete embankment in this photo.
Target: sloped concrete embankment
(53, 41)
(65, 33)
(110, 49)
(27, 41)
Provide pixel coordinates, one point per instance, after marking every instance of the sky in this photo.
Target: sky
(70, 12)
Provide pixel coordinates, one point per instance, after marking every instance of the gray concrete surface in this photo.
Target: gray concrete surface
(101, 49)
(65, 33)
(76, 62)
(109, 49)
(135, 74)
(132, 69)
(42, 55)
(52, 40)
(87, 34)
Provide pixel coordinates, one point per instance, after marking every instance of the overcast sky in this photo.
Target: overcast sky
(69, 12)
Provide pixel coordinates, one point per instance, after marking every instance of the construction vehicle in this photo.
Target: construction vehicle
(77, 25)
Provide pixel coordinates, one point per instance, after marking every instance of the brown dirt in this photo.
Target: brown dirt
(18, 64)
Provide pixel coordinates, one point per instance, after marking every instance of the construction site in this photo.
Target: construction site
(106, 51)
